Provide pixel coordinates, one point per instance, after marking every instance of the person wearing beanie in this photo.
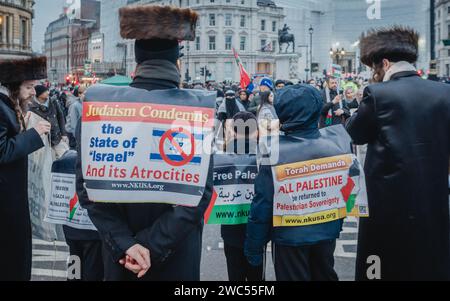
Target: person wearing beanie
(18, 78)
(265, 85)
(405, 121)
(152, 241)
(50, 110)
(301, 252)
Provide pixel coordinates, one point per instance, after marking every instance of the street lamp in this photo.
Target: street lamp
(307, 58)
(337, 54)
(311, 31)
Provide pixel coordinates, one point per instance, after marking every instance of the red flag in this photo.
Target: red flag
(245, 78)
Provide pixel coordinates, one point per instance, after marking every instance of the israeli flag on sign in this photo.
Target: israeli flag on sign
(177, 147)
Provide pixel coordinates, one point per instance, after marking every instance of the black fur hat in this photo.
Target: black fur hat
(20, 70)
(396, 44)
(145, 22)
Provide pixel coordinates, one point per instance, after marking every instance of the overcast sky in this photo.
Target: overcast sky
(46, 11)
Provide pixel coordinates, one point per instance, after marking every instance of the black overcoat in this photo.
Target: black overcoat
(406, 123)
(15, 226)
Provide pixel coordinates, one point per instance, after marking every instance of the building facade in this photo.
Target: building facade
(15, 28)
(114, 53)
(67, 40)
(442, 34)
(249, 26)
(338, 24)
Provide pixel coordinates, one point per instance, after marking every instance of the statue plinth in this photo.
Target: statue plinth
(287, 66)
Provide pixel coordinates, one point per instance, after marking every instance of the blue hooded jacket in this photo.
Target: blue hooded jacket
(298, 108)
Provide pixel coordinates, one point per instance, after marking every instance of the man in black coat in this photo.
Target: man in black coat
(335, 110)
(49, 110)
(406, 122)
(18, 79)
(151, 241)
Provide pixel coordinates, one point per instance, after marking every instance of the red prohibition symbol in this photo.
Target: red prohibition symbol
(169, 135)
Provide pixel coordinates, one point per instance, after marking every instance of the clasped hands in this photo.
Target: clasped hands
(137, 260)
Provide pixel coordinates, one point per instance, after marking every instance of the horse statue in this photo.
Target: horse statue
(284, 37)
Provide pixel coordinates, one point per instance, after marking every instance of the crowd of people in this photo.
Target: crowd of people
(406, 168)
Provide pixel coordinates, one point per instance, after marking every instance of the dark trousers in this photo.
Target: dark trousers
(91, 259)
(305, 263)
(238, 267)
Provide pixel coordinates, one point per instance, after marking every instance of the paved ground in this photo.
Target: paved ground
(49, 259)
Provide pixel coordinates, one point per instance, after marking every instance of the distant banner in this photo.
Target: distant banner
(234, 179)
(64, 207)
(319, 191)
(146, 147)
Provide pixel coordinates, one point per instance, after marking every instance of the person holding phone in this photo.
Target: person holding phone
(335, 111)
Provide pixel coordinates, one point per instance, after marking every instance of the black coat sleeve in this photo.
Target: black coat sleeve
(326, 107)
(260, 221)
(163, 237)
(362, 126)
(19, 146)
(60, 117)
(109, 219)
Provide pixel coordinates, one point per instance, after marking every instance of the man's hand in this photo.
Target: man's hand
(43, 128)
(339, 112)
(137, 260)
(65, 139)
(337, 99)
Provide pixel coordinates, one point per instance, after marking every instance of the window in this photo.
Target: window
(212, 42)
(448, 10)
(23, 33)
(197, 69)
(228, 19)
(212, 68)
(197, 43)
(212, 20)
(448, 54)
(242, 21)
(274, 26)
(242, 44)
(242, 2)
(228, 70)
(448, 31)
(263, 25)
(228, 1)
(228, 42)
(263, 44)
(1, 28)
(264, 68)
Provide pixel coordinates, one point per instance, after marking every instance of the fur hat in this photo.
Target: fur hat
(396, 44)
(20, 70)
(145, 22)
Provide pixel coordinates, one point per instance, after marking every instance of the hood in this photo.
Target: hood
(298, 108)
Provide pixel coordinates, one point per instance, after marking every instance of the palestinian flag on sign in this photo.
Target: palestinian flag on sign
(349, 193)
(73, 206)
